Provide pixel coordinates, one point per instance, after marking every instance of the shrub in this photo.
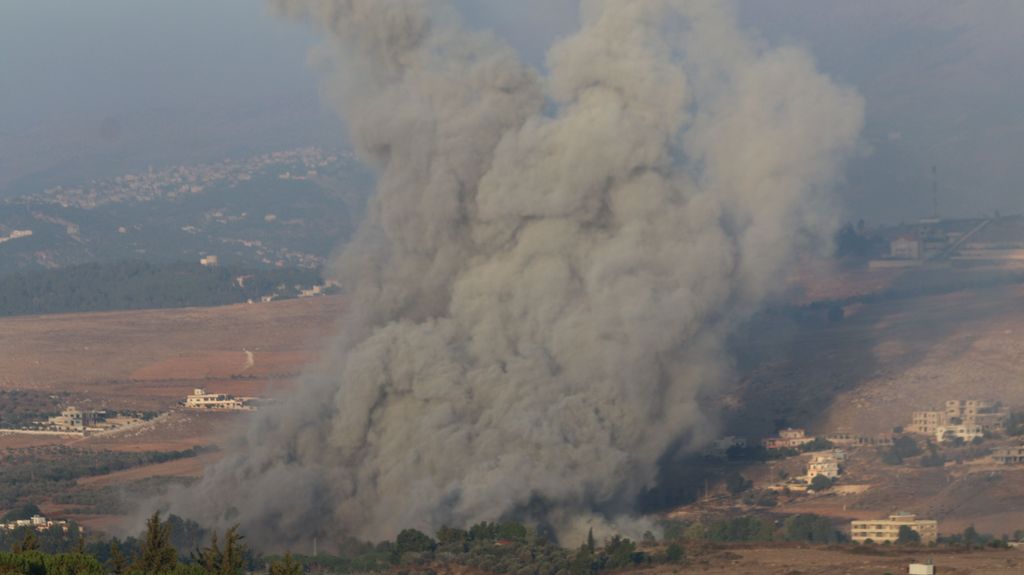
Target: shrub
(674, 553)
(908, 536)
(810, 528)
(820, 483)
(737, 484)
(411, 540)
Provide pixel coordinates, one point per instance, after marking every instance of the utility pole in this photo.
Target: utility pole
(935, 193)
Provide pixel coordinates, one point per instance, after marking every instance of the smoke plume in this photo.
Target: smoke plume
(542, 287)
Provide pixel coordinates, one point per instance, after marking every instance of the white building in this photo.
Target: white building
(37, 522)
(905, 248)
(826, 465)
(200, 399)
(965, 432)
(888, 530)
(72, 419)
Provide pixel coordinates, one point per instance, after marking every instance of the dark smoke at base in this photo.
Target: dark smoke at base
(538, 298)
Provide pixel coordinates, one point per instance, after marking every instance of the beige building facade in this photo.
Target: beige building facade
(888, 530)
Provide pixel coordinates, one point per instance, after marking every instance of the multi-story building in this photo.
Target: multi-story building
(966, 408)
(859, 440)
(827, 465)
(1009, 455)
(72, 419)
(964, 432)
(199, 399)
(888, 530)
(989, 415)
(926, 422)
(905, 248)
(970, 413)
(788, 439)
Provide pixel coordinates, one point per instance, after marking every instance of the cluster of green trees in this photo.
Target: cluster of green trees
(970, 538)
(1015, 424)
(144, 285)
(154, 554)
(502, 548)
(36, 473)
(22, 407)
(806, 528)
(903, 447)
(116, 499)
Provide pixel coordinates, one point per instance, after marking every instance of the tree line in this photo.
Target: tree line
(132, 284)
(174, 546)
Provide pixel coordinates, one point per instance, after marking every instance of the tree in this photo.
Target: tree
(674, 553)
(810, 528)
(933, 458)
(29, 542)
(737, 484)
(695, 532)
(26, 511)
(233, 557)
(583, 562)
(1015, 424)
(157, 554)
(118, 564)
(908, 536)
(905, 446)
(286, 566)
(591, 544)
(210, 557)
(414, 541)
(971, 537)
(821, 483)
(746, 528)
(621, 552)
(511, 530)
(891, 457)
(454, 539)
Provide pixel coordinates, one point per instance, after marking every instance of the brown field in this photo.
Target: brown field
(790, 560)
(96, 352)
(191, 467)
(149, 360)
(867, 373)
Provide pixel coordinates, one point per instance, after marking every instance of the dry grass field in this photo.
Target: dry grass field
(867, 373)
(149, 360)
(790, 560)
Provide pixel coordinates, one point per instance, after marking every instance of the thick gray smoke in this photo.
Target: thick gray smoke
(542, 287)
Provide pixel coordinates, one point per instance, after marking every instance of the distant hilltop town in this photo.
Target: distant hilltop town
(186, 180)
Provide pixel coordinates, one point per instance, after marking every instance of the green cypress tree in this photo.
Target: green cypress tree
(157, 554)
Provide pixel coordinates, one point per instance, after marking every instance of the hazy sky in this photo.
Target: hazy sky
(87, 88)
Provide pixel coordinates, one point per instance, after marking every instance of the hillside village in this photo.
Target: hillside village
(837, 473)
